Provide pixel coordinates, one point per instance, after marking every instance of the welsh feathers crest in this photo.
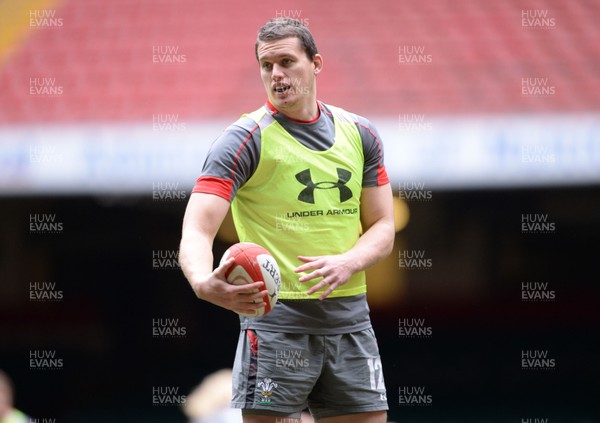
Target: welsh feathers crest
(266, 387)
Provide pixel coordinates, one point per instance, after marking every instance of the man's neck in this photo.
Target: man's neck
(309, 113)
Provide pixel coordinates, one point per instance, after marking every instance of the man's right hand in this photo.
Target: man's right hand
(238, 298)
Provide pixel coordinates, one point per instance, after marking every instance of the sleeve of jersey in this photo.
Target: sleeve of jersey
(231, 161)
(374, 173)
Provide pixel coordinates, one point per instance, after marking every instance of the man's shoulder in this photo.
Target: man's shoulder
(245, 124)
(239, 130)
(342, 113)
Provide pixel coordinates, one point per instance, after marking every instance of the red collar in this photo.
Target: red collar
(274, 110)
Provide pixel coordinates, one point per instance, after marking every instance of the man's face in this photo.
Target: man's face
(288, 74)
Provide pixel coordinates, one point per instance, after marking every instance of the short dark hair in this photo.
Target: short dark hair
(280, 28)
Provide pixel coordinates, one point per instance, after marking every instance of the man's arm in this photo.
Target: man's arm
(203, 217)
(376, 242)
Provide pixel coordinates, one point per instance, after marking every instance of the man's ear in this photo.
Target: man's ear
(318, 63)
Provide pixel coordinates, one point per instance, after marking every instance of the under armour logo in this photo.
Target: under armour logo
(307, 195)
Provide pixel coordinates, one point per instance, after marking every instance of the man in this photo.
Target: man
(301, 177)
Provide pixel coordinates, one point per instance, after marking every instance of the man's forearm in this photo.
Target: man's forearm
(195, 259)
(374, 245)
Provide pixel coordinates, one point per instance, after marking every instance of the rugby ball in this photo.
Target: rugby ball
(252, 263)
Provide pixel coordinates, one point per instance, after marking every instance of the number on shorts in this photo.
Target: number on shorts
(376, 373)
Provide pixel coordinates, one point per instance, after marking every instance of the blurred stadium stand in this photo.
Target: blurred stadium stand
(103, 57)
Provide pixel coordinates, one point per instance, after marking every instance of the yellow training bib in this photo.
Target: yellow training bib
(303, 202)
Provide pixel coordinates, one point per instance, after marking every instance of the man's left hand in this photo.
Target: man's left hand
(335, 271)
